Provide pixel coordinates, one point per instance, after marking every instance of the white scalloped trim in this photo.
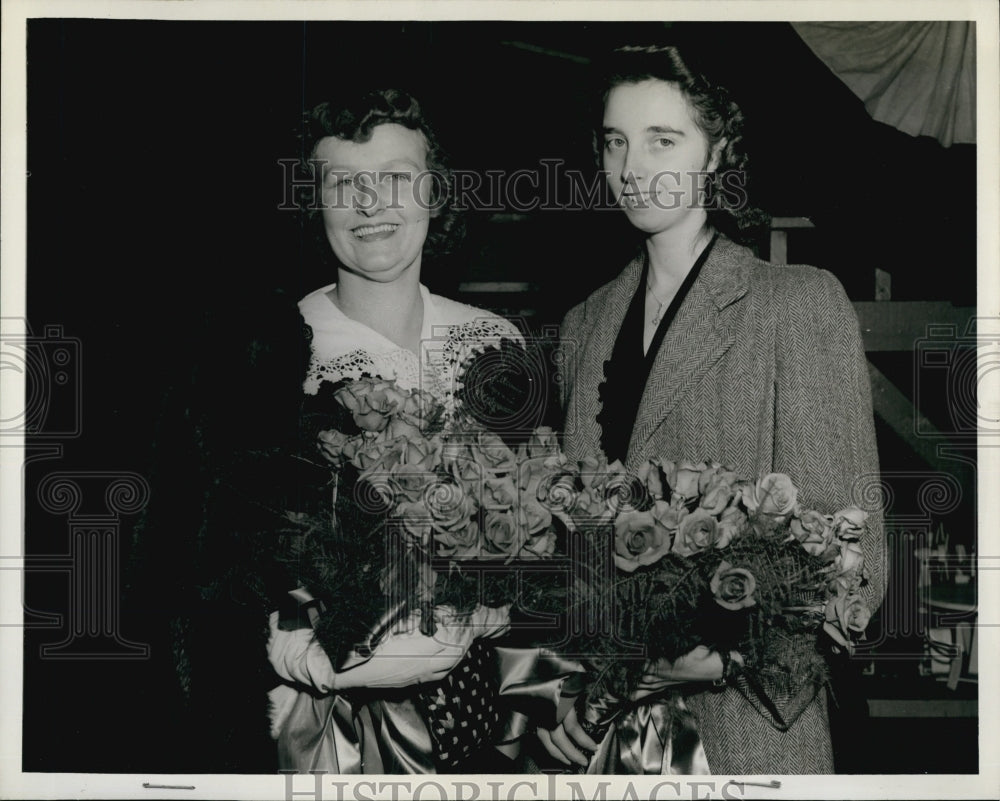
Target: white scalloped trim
(436, 371)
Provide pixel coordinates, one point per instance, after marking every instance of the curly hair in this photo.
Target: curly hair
(353, 118)
(716, 114)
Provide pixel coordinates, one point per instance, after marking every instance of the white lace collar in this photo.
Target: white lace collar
(450, 333)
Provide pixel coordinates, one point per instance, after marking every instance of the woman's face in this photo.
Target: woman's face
(655, 155)
(376, 206)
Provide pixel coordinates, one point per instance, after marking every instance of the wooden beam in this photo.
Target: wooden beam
(780, 226)
(899, 325)
(779, 246)
(791, 222)
(923, 708)
(496, 286)
(929, 444)
(901, 416)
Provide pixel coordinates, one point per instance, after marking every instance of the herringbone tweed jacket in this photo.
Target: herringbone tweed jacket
(763, 369)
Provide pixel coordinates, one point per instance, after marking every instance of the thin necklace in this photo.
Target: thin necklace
(659, 309)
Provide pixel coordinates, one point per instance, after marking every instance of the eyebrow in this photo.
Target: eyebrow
(664, 129)
(393, 164)
(652, 129)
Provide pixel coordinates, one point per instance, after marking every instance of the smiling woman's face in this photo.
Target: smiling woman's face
(654, 152)
(376, 207)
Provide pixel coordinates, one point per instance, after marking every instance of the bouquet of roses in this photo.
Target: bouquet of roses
(437, 509)
(459, 493)
(685, 554)
(426, 509)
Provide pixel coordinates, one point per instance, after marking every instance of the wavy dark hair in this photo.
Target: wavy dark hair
(717, 115)
(354, 118)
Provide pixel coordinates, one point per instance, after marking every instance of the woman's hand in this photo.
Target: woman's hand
(701, 664)
(568, 741)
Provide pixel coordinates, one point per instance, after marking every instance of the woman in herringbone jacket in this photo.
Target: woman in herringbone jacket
(699, 350)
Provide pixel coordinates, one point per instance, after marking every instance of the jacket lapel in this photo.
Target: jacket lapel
(704, 329)
(603, 322)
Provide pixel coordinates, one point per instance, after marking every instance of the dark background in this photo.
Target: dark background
(154, 238)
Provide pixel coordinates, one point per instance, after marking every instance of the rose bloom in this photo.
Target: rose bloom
(843, 584)
(371, 456)
(502, 532)
(536, 517)
(419, 408)
(531, 472)
(697, 532)
(603, 489)
(850, 523)
(683, 477)
(554, 488)
(531, 475)
(493, 454)
(650, 476)
(716, 488)
(814, 531)
(626, 493)
(331, 445)
(540, 546)
(416, 520)
(370, 402)
(499, 493)
(449, 506)
(598, 473)
(459, 462)
(543, 442)
(731, 525)
(774, 494)
(845, 615)
(590, 511)
(411, 481)
(640, 538)
(850, 559)
(591, 468)
(460, 542)
(400, 429)
(674, 513)
(712, 473)
(415, 450)
(733, 587)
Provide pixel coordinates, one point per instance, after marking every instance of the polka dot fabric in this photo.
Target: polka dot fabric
(461, 710)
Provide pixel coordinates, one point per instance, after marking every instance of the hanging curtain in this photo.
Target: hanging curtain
(919, 77)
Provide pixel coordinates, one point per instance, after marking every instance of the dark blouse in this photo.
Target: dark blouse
(627, 371)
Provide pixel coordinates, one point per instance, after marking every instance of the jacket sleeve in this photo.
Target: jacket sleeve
(824, 439)
(824, 434)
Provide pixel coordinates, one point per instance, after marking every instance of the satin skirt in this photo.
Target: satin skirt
(359, 732)
(659, 738)
(355, 734)
(333, 734)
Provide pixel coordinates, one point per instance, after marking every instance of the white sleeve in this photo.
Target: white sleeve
(297, 657)
(403, 658)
